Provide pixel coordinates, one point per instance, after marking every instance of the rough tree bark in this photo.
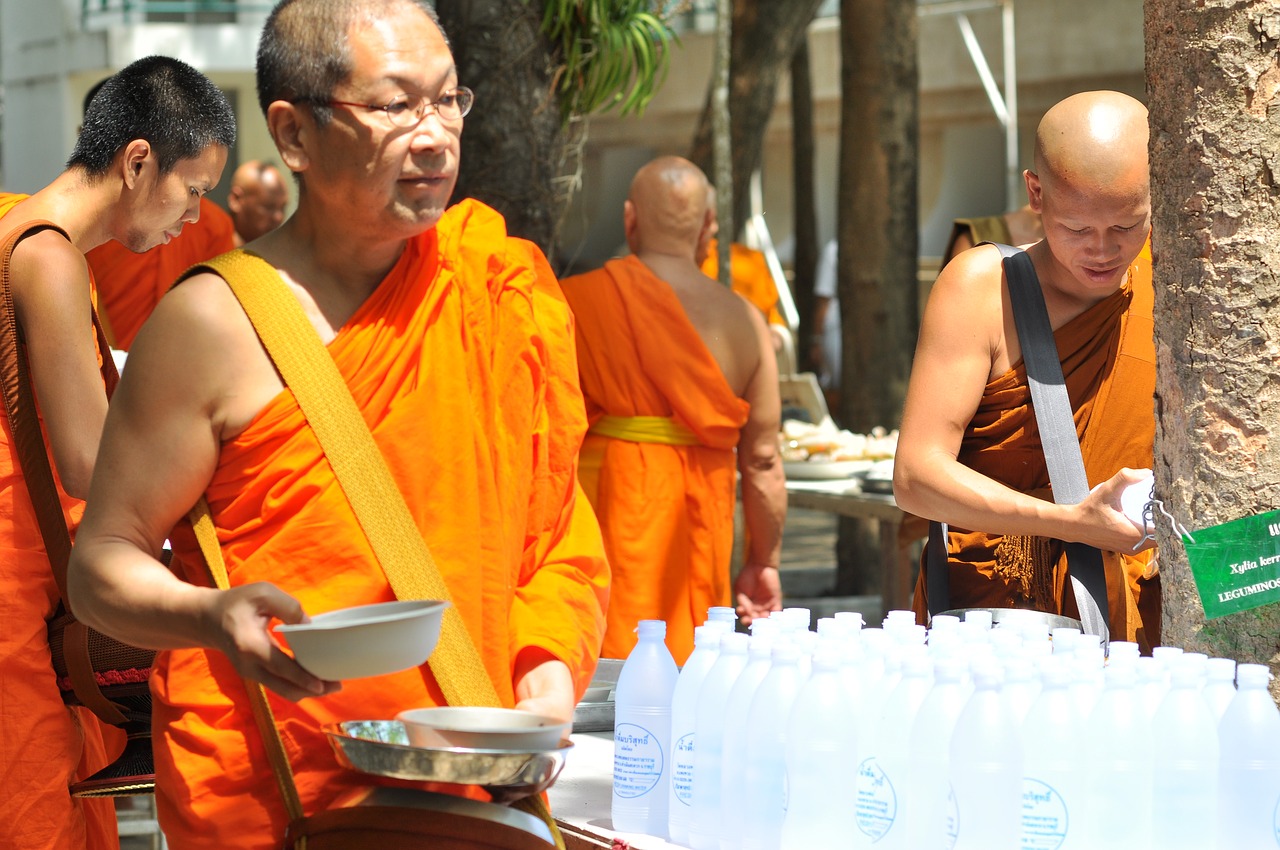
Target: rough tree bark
(877, 231)
(1213, 74)
(513, 146)
(805, 192)
(765, 35)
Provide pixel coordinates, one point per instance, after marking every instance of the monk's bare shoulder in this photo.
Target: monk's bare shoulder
(200, 326)
(967, 308)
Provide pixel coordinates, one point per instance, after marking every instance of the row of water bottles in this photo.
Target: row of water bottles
(962, 737)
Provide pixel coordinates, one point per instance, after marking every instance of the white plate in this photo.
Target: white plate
(802, 470)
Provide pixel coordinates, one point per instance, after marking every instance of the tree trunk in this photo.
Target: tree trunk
(1214, 78)
(513, 147)
(877, 231)
(765, 35)
(806, 204)
(877, 221)
(722, 139)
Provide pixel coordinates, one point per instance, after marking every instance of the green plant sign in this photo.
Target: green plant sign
(1236, 565)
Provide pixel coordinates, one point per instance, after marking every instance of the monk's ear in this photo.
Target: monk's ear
(134, 160)
(1034, 189)
(628, 219)
(292, 133)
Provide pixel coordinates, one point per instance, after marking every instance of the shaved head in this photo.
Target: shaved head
(303, 54)
(666, 210)
(1093, 140)
(257, 199)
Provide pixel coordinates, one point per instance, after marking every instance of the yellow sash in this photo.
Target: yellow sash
(645, 429)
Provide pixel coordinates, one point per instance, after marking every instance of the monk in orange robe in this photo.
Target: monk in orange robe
(130, 284)
(115, 187)
(458, 349)
(677, 374)
(970, 454)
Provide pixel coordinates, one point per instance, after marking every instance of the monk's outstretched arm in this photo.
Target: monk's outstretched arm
(557, 617)
(758, 589)
(159, 450)
(961, 338)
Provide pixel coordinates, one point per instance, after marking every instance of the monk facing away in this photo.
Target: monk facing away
(1016, 227)
(257, 200)
(153, 142)
(458, 349)
(970, 452)
(130, 282)
(682, 393)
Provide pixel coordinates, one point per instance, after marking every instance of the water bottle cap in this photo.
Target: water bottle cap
(733, 643)
(942, 622)
(652, 628)
(765, 626)
(1125, 650)
(1186, 672)
(982, 618)
(853, 619)
(1221, 669)
(1055, 672)
(1253, 676)
(786, 651)
(829, 626)
(722, 614)
(1164, 654)
(1123, 675)
(949, 668)
(987, 676)
(1062, 638)
(1018, 668)
(760, 645)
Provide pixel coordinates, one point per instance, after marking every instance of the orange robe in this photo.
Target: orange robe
(130, 285)
(1108, 360)
(462, 362)
(666, 510)
(45, 745)
(749, 276)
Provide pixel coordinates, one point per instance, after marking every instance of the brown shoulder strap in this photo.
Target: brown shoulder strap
(24, 419)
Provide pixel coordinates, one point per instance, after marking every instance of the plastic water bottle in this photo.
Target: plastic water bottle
(1184, 781)
(723, 614)
(1219, 686)
(882, 812)
(684, 705)
(642, 734)
(1117, 751)
(1249, 777)
(736, 742)
(713, 702)
(930, 759)
(985, 770)
(1052, 784)
(822, 743)
(764, 798)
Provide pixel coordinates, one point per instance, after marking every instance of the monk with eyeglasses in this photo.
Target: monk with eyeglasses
(458, 348)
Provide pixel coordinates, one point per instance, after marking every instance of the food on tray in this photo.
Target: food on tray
(805, 442)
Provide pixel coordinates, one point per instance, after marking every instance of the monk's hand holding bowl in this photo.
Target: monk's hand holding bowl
(757, 591)
(544, 685)
(238, 623)
(1105, 524)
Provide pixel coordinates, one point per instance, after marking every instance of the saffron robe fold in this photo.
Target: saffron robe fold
(130, 285)
(462, 362)
(46, 746)
(1108, 361)
(666, 510)
(749, 276)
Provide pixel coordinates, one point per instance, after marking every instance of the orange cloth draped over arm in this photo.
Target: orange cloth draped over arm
(1108, 360)
(462, 362)
(749, 276)
(46, 746)
(130, 285)
(666, 511)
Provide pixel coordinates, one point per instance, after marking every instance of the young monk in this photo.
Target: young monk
(130, 283)
(678, 373)
(153, 142)
(970, 453)
(458, 350)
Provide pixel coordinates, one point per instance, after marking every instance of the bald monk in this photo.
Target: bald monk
(1018, 227)
(154, 140)
(257, 200)
(130, 284)
(678, 373)
(458, 349)
(970, 453)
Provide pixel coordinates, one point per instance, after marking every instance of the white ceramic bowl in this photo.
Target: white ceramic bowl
(367, 640)
(478, 728)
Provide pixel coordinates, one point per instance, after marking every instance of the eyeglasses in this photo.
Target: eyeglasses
(408, 111)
